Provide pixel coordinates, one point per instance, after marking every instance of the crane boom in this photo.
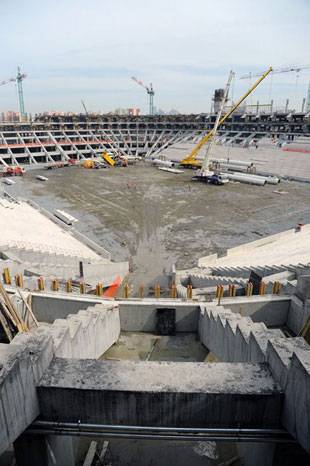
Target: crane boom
(287, 69)
(84, 106)
(191, 159)
(7, 81)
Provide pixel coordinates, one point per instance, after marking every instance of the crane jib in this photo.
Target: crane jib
(190, 160)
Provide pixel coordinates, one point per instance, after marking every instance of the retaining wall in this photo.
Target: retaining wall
(140, 315)
(272, 310)
(87, 334)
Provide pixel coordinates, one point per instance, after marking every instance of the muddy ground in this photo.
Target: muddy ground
(156, 219)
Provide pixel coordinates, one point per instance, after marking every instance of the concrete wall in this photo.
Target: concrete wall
(233, 337)
(51, 306)
(160, 394)
(87, 334)
(135, 315)
(140, 316)
(298, 314)
(270, 309)
(300, 306)
(23, 363)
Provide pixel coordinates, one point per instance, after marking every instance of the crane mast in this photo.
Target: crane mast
(191, 159)
(19, 82)
(150, 92)
(205, 163)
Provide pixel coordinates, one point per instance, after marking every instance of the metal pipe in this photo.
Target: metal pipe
(229, 161)
(245, 179)
(158, 433)
(268, 179)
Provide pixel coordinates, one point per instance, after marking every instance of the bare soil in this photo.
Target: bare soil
(156, 219)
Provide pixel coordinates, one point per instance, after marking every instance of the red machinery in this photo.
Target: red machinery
(13, 171)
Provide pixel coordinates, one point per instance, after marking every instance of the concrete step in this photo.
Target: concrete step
(200, 280)
(32, 256)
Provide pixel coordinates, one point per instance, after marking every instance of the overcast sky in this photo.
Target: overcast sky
(89, 49)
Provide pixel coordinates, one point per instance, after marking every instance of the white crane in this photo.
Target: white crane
(204, 171)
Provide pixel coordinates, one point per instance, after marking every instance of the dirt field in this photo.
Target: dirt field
(155, 219)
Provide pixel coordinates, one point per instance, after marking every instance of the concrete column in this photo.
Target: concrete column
(40, 450)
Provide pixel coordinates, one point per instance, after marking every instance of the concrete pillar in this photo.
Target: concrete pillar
(257, 454)
(41, 450)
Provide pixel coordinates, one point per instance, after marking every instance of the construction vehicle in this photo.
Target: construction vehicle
(191, 160)
(88, 163)
(12, 171)
(93, 163)
(215, 178)
(108, 159)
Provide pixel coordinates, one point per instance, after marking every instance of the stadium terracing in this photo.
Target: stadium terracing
(49, 139)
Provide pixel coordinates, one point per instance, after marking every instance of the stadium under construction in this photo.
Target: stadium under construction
(52, 139)
(145, 318)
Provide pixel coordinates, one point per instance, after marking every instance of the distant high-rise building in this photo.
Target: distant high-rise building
(134, 111)
(10, 116)
(217, 99)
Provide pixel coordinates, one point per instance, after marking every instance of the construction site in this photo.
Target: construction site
(155, 284)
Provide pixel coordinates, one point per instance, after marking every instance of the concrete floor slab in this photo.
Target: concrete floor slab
(138, 346)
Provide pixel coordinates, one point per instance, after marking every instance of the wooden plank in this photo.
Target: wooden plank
(28, 308)
(90, 454)
(103, 453)
(305, 331)
(7, 312)
(5, 326)
(20, 324)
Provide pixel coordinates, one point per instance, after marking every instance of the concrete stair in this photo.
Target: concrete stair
(201, 280)
(87, 334)
(62, 266)
(234, 338)
(33, 256)
(288, 249)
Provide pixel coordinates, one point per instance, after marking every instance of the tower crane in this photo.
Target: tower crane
(287, 69)
(19, 80)
(84, 106)
(150, 92)
(191, 159)
(204, 171)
